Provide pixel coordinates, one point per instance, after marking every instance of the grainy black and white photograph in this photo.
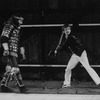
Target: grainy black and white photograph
(50, 49)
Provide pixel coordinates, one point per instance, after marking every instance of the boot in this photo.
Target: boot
(20, 84)
(4, 83)
(23, 89)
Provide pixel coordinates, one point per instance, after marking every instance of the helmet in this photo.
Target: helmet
(16, 20)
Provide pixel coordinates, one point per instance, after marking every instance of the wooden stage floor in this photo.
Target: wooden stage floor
(51, 90)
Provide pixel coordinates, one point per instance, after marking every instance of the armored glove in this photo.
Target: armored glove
(6, 52)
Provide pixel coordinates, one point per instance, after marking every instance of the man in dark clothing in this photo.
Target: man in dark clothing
(10, 43)
(74, 47)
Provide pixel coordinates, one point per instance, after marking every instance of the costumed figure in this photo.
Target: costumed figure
(10, 42)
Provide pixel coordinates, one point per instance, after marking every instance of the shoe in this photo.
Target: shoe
(23, 89)
(6, 89)
(98, 86)
(65, 85)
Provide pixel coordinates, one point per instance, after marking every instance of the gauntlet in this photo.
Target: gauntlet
(6, 53)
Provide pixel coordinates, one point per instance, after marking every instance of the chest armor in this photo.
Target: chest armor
(14, 40)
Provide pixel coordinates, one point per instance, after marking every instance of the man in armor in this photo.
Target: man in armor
(10, 43)
(74, 47)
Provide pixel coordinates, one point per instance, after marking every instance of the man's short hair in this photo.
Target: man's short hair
(65, 26)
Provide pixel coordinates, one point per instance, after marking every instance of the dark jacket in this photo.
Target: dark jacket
(72, 45)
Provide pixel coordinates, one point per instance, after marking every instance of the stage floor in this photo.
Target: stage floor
(51, 90)
(54, 87)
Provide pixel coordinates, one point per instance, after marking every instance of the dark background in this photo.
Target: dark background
(39, 41)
